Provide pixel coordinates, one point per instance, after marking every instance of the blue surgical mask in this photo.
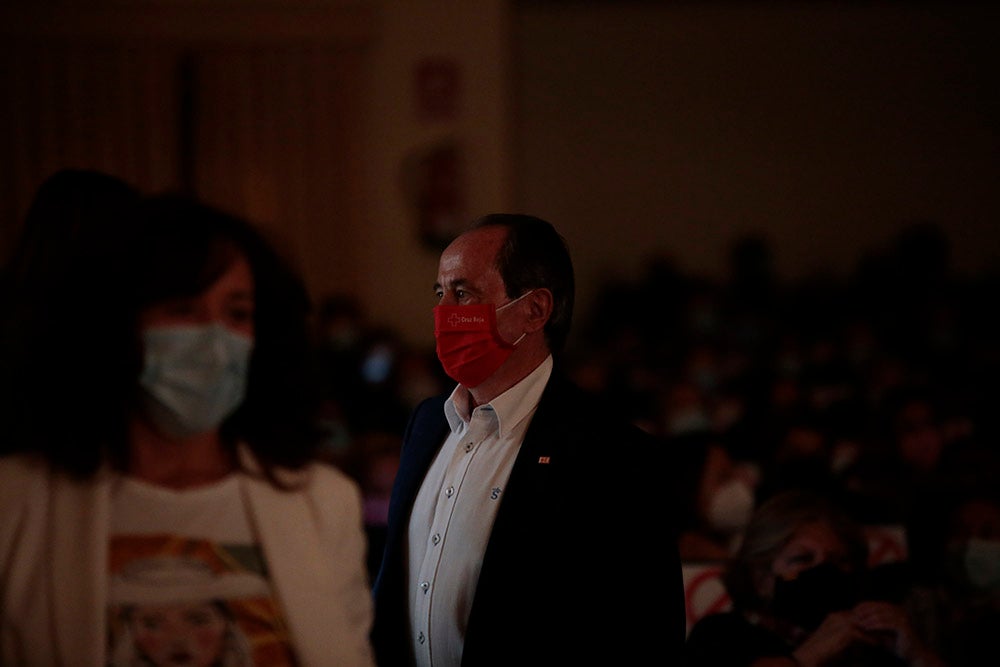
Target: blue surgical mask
(194, 376)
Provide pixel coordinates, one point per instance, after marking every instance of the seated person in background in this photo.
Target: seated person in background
(803, 596)
(959, 596)
(716, 497)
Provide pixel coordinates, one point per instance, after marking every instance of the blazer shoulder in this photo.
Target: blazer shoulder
(565, 400)
(427, 419)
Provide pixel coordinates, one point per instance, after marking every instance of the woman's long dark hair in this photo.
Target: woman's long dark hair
(63, 320)
(174, 247)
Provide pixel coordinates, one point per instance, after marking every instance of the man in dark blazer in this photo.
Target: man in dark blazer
(528, 524)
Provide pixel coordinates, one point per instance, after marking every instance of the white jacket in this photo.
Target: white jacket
(54, 564)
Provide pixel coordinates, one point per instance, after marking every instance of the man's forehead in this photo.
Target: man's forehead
(471, 255)
(484, 241)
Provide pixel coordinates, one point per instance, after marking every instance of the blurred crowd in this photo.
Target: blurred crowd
(874, 387)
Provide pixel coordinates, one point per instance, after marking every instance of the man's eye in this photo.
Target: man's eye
(460, 294)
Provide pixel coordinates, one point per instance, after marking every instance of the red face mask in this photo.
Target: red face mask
(468, 344)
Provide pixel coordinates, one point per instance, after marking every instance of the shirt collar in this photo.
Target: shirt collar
(510, 407)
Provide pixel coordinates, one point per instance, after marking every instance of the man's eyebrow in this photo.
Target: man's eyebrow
(455, 284)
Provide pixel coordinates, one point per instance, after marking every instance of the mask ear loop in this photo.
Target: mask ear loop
(511, 303)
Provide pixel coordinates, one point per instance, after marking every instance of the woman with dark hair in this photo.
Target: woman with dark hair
(715, 496)
(205, 447)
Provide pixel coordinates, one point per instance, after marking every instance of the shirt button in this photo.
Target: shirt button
(436, 538)
(450, 491)
(421, 638)
(468, 447)
(424, 586)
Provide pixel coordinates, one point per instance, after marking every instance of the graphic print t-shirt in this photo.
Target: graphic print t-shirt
(188, 581)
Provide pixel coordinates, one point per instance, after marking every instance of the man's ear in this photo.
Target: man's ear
(539, 308)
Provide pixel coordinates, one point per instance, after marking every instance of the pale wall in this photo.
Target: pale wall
(673, 127)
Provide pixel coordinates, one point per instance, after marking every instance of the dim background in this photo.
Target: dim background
(363, 134)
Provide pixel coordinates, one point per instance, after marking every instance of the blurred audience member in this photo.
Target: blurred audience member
(340, 332)
(900, 463)
(716, 497)
(800, 457)
(803, 595)
(959, 564)
(373, 463)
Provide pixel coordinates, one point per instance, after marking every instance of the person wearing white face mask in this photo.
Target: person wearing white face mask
(193, 375)
(716, 496)
(959, 597)
(208, 451)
